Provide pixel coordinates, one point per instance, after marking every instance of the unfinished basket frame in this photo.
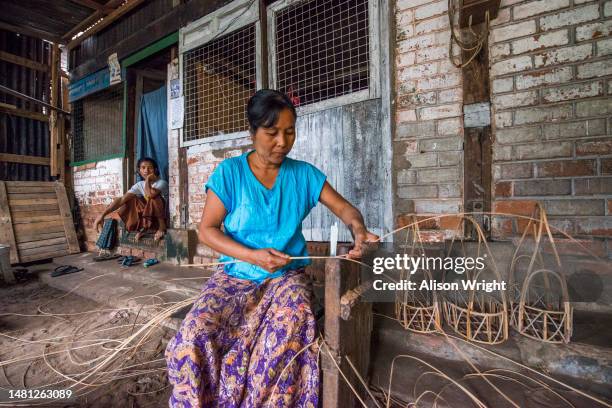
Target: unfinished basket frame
(483, 318)
(414, 312)
(537, 318)
(551, 325)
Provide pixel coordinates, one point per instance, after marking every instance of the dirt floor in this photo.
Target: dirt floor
(47, 336)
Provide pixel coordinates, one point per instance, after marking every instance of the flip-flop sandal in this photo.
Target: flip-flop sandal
(150, 262)
(106, 257)
(130, 260)
(65, 270)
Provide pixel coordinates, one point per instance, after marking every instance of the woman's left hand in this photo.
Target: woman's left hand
(362, 238)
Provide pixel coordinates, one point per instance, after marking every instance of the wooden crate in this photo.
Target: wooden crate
(35, 220)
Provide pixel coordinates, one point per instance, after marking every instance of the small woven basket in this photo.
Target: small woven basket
(543, 315)
(417, 310)
(480, 317)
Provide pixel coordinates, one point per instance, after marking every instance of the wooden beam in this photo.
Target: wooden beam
(5, 108)
(28, 98)
(7, 234)
(18, 158)
(95, 16)
(24, 62)
(32, 32)
(115, 15)
(53, 125)
(88, 3)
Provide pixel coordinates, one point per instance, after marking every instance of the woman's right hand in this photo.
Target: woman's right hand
(269, 259)
(98, 222)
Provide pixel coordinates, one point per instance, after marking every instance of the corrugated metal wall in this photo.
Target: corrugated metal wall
(19, 135)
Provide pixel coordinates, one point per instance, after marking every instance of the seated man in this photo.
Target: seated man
(142, 208)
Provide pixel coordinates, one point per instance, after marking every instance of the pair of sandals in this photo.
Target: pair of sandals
(130, 260)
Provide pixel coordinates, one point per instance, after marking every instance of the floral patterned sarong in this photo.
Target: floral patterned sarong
(236, 341)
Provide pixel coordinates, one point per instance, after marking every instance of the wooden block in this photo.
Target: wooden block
(44, 255)
(19, 158)
(24, 62)
(21, 184)
(64, 206)
(7, 234)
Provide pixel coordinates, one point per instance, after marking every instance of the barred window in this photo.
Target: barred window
(98, 125)
(322, 49)
(219, 77)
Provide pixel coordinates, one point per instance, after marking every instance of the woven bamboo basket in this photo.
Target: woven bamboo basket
(542, 314)
(539, 312)
(480, 317)
(416, 310)
(515, 284)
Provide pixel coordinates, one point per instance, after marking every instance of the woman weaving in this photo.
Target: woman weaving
(254, 314)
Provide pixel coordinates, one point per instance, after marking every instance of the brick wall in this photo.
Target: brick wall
(428, 142)
(201, 162)
(551, 107)
(95, 186)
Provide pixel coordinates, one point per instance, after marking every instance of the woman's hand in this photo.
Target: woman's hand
(362, 238)
(269, 259)
(98, 222)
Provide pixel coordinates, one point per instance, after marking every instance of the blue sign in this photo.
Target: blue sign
(86, 86)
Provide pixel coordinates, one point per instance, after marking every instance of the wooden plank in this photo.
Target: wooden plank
(31, 194)
(53, 125)
(30, 190)
(32, 201)
(88, 3)
(32, 32)
(24, 113)
(26, 215)
(40, 227)
(63, 247)
(118, 13)
(62, 199)
(36, 218)
(15, 210)
(20, 184)
(18, 158)
(43, 243)
(44, 255)
(7, 234)
(24, 62)
(37, 236)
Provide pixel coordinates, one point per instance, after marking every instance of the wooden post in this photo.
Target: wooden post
(7, 235)
(54, 127)
(477, 136)
(346, 339)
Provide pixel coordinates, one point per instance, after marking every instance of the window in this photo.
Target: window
(98, 126)
(219, 77)
(321, 53)
(220, 69)
(321, 50)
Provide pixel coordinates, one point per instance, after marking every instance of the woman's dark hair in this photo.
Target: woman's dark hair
(264, 107)
(150, 160)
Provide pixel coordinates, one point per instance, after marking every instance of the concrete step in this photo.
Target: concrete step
(136, 287)
(587, 367)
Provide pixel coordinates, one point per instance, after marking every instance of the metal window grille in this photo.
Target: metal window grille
(219, 77)
(98, 125)
(322, 49)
